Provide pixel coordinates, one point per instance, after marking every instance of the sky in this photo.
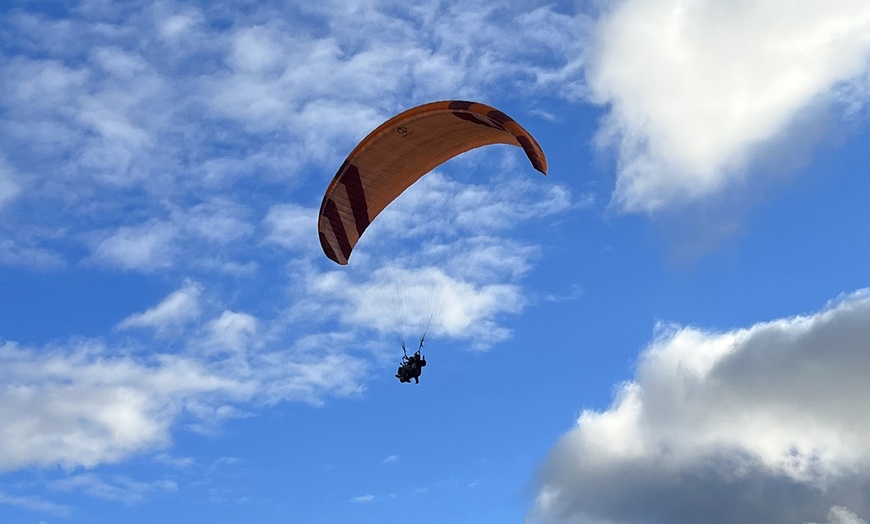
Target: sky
(673, 326)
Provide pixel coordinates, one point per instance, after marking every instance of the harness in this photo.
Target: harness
(407, 366)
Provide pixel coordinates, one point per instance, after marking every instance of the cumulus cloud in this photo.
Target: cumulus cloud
(697, 89)
(763, 424)
(841, 515)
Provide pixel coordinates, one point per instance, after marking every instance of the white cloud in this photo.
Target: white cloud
(133, 150)
(179, 25)
(84, 406)
(101, 117)
(219, 221)
(200, 236)
(122, 488)
(293, 227)
(9, 189)
(176, 462)
(310, 378)
(841, 515)
(221, 462)
(469, 269)
(443, 209)
(110, 128)
(177, 309)
(696, 89)
(414, 301)
(34, 504)
(88, 405)
(146, 247)
(23, 253)
(363, 498)
(764, 424)
(232, 330)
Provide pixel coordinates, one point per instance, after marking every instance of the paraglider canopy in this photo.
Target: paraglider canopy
(400, 151)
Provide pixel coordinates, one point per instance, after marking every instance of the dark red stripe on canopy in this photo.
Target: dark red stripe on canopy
(331, 214)
(356, 195)
(327, 248)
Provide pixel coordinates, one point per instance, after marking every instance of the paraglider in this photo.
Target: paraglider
(397, 154)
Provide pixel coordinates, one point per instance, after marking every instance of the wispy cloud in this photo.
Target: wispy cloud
(150, 136)
(9, 188)
(221, 462)
(765, 424)
(89, 403)
(83, 406)
(232, 331)
(176, 462)
(290, 226)
(182, 159)
(218, 221)
(467, 273)
(147, 247)
(120, 488)
(24, 251)
(177, 309)
(262, 108)
(35, 504)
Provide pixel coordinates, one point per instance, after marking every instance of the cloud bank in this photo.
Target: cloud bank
(763, 424)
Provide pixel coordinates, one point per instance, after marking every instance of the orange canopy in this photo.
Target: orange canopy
(398, 153)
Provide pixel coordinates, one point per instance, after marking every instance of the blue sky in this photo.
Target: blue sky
(672, 326)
